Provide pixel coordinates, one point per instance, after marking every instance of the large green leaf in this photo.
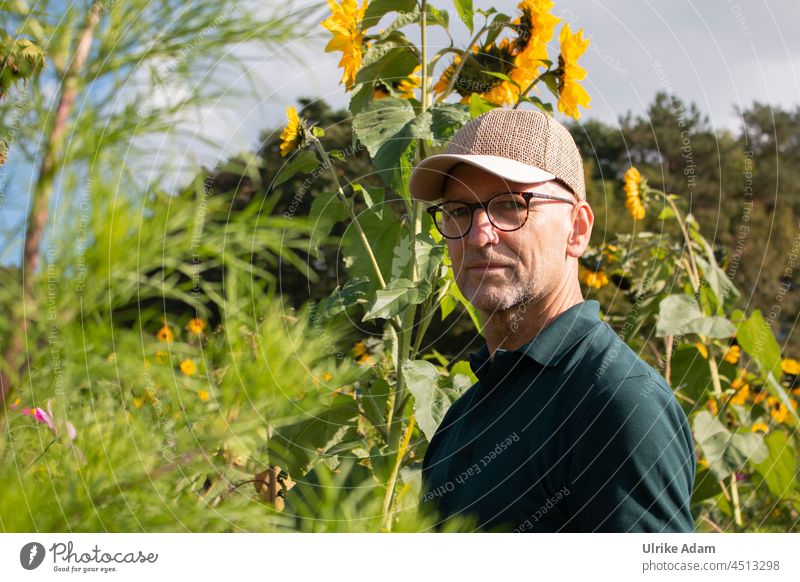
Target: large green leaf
(446, 120)
(377, 9)
(430, 402)
(343, 299)
(726, 452)
(326, 210)
(387, 128)
(755, 337)
(390, 60)
(465, 12)
(381, 229)
(779, 470)
(690, 375)
(305, 162)
(680, 314)
(297, 446)
(705, 486)
(395, 297)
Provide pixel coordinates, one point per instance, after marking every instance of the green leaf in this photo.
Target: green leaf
(438, 17)
(373, 196)
(388, 128)
(726, 452)
(478, 105)
(377, 9)
(398, 294)
(392, 60)
(326, 210)
(465, 12)
(780, 467)
(447, 119)
(464, 368)
(705, 486)
(497, 27)
(755, 337)
(680, 314)
(381, 229)
(305, 162)
(374, 402)
(689, 374)
(343, 299)
(430, 403)
(297, 446)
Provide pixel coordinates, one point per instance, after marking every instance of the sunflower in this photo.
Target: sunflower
(759, 427)
(165, 334)
(405, 87)
(345, 24)
(196, 326)
(633, 193)
(188, 367)
(291, 135)
(570, 93)
(203, 395)
(535, 28)
(594, 279)
(473, 79)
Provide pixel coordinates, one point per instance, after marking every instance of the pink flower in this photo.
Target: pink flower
(47, 417)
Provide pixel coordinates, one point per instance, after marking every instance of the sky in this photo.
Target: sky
(717, 53)
(720, 54)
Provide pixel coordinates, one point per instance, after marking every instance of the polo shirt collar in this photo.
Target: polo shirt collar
(553, 342)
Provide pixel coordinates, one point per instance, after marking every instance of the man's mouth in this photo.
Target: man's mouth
(486, 267)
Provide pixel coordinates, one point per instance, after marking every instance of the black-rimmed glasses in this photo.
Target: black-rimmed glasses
(506, 211)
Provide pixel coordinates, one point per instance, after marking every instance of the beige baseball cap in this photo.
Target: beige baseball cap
(518, 145)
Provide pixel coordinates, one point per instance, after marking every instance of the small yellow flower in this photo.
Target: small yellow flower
(359, 349)
(161, 357)
(570, 93)
(327, 376)
(777, 409)
(594, 279)
(188, 367)
(633, 193)
(759, 426)
(702, 349)
(165, 334)
(137, 402)
(790, 366)
(712, 406)
(290, 136)
(196, 326)
(732, 355)
(742, 389)
(345, 25)
(203, 395)
(759, 396)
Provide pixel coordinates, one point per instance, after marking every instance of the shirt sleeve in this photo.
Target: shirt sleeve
(632, 467)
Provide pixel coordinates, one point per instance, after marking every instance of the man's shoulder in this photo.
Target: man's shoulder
(617, 371)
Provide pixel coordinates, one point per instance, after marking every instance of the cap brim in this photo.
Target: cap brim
(427, 179)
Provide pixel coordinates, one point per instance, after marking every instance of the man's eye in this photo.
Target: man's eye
(458, 212)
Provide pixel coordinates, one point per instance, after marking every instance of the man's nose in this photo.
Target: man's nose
(482, 231)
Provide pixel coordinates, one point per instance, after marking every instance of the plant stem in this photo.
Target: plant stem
(464, 57)
(367, 247)
(386, 519)
(737, 510)
(694, 273)
(528, 89)
(43, 190)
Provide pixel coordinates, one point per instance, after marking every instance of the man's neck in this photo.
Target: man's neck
(516, 326)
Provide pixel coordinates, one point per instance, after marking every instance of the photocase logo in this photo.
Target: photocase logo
(31, 555)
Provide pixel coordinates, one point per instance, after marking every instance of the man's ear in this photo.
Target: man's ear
(582, 221)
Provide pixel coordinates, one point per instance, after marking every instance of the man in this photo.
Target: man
(567, 429)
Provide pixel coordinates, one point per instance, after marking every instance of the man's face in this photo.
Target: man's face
(496, 270)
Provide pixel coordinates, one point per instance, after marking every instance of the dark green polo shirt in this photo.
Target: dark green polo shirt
(571, 432)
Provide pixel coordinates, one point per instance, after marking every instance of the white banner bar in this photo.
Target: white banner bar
(399, 557)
